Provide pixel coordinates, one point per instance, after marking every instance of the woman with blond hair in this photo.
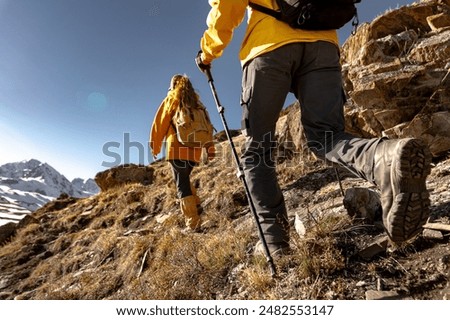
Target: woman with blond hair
(181, 158)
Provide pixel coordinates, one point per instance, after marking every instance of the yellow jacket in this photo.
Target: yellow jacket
(162, 127)
(264, 33)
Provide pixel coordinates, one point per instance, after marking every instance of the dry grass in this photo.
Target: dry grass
(118, 250)
(117, 246)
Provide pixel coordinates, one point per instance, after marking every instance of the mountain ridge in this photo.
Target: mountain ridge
(27, 185)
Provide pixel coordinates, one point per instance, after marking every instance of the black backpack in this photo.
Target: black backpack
(313, 14)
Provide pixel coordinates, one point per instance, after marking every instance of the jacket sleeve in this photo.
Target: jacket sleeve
(223, 18)
(161, 125)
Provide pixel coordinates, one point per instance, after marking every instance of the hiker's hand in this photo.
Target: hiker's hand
(202, 66)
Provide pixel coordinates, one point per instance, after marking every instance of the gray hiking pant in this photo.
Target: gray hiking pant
(312, 72)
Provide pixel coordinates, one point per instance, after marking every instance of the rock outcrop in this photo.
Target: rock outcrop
(396, 73)
(124, 174)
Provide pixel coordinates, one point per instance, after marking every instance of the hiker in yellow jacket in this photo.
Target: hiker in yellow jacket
(181, 158)
(277, 59)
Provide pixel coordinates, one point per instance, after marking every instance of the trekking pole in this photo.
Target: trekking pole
(340, 182)
(240, 172)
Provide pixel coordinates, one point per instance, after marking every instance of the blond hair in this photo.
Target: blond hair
(182, 88)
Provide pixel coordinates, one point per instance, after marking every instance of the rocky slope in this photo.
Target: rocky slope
(128, 242)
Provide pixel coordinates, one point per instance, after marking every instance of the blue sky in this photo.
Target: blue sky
(80, 80)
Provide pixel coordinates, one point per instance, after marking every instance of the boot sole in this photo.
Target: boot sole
(411, 201)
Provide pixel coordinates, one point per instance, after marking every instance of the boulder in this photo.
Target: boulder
(363, 204)
(124, 174)
(6, 231)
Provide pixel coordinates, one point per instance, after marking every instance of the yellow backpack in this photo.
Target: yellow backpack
(193, 126)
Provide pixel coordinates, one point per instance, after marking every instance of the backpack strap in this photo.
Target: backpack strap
(172, 122)
(270, 12)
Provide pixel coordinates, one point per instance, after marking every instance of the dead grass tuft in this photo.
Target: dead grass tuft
(223, 251)
(256, 279)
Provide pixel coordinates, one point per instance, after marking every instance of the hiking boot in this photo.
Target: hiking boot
(276, 250)
(189, 210)
(400, 169)
(198, 202)
(197, 199)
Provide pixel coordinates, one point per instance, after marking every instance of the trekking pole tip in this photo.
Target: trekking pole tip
(273, 270)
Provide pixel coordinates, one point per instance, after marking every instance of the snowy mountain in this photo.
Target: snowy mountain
(86, 186)
(25, 186)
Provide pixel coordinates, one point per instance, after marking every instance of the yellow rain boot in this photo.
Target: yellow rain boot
(189, 210)
(194, 193)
